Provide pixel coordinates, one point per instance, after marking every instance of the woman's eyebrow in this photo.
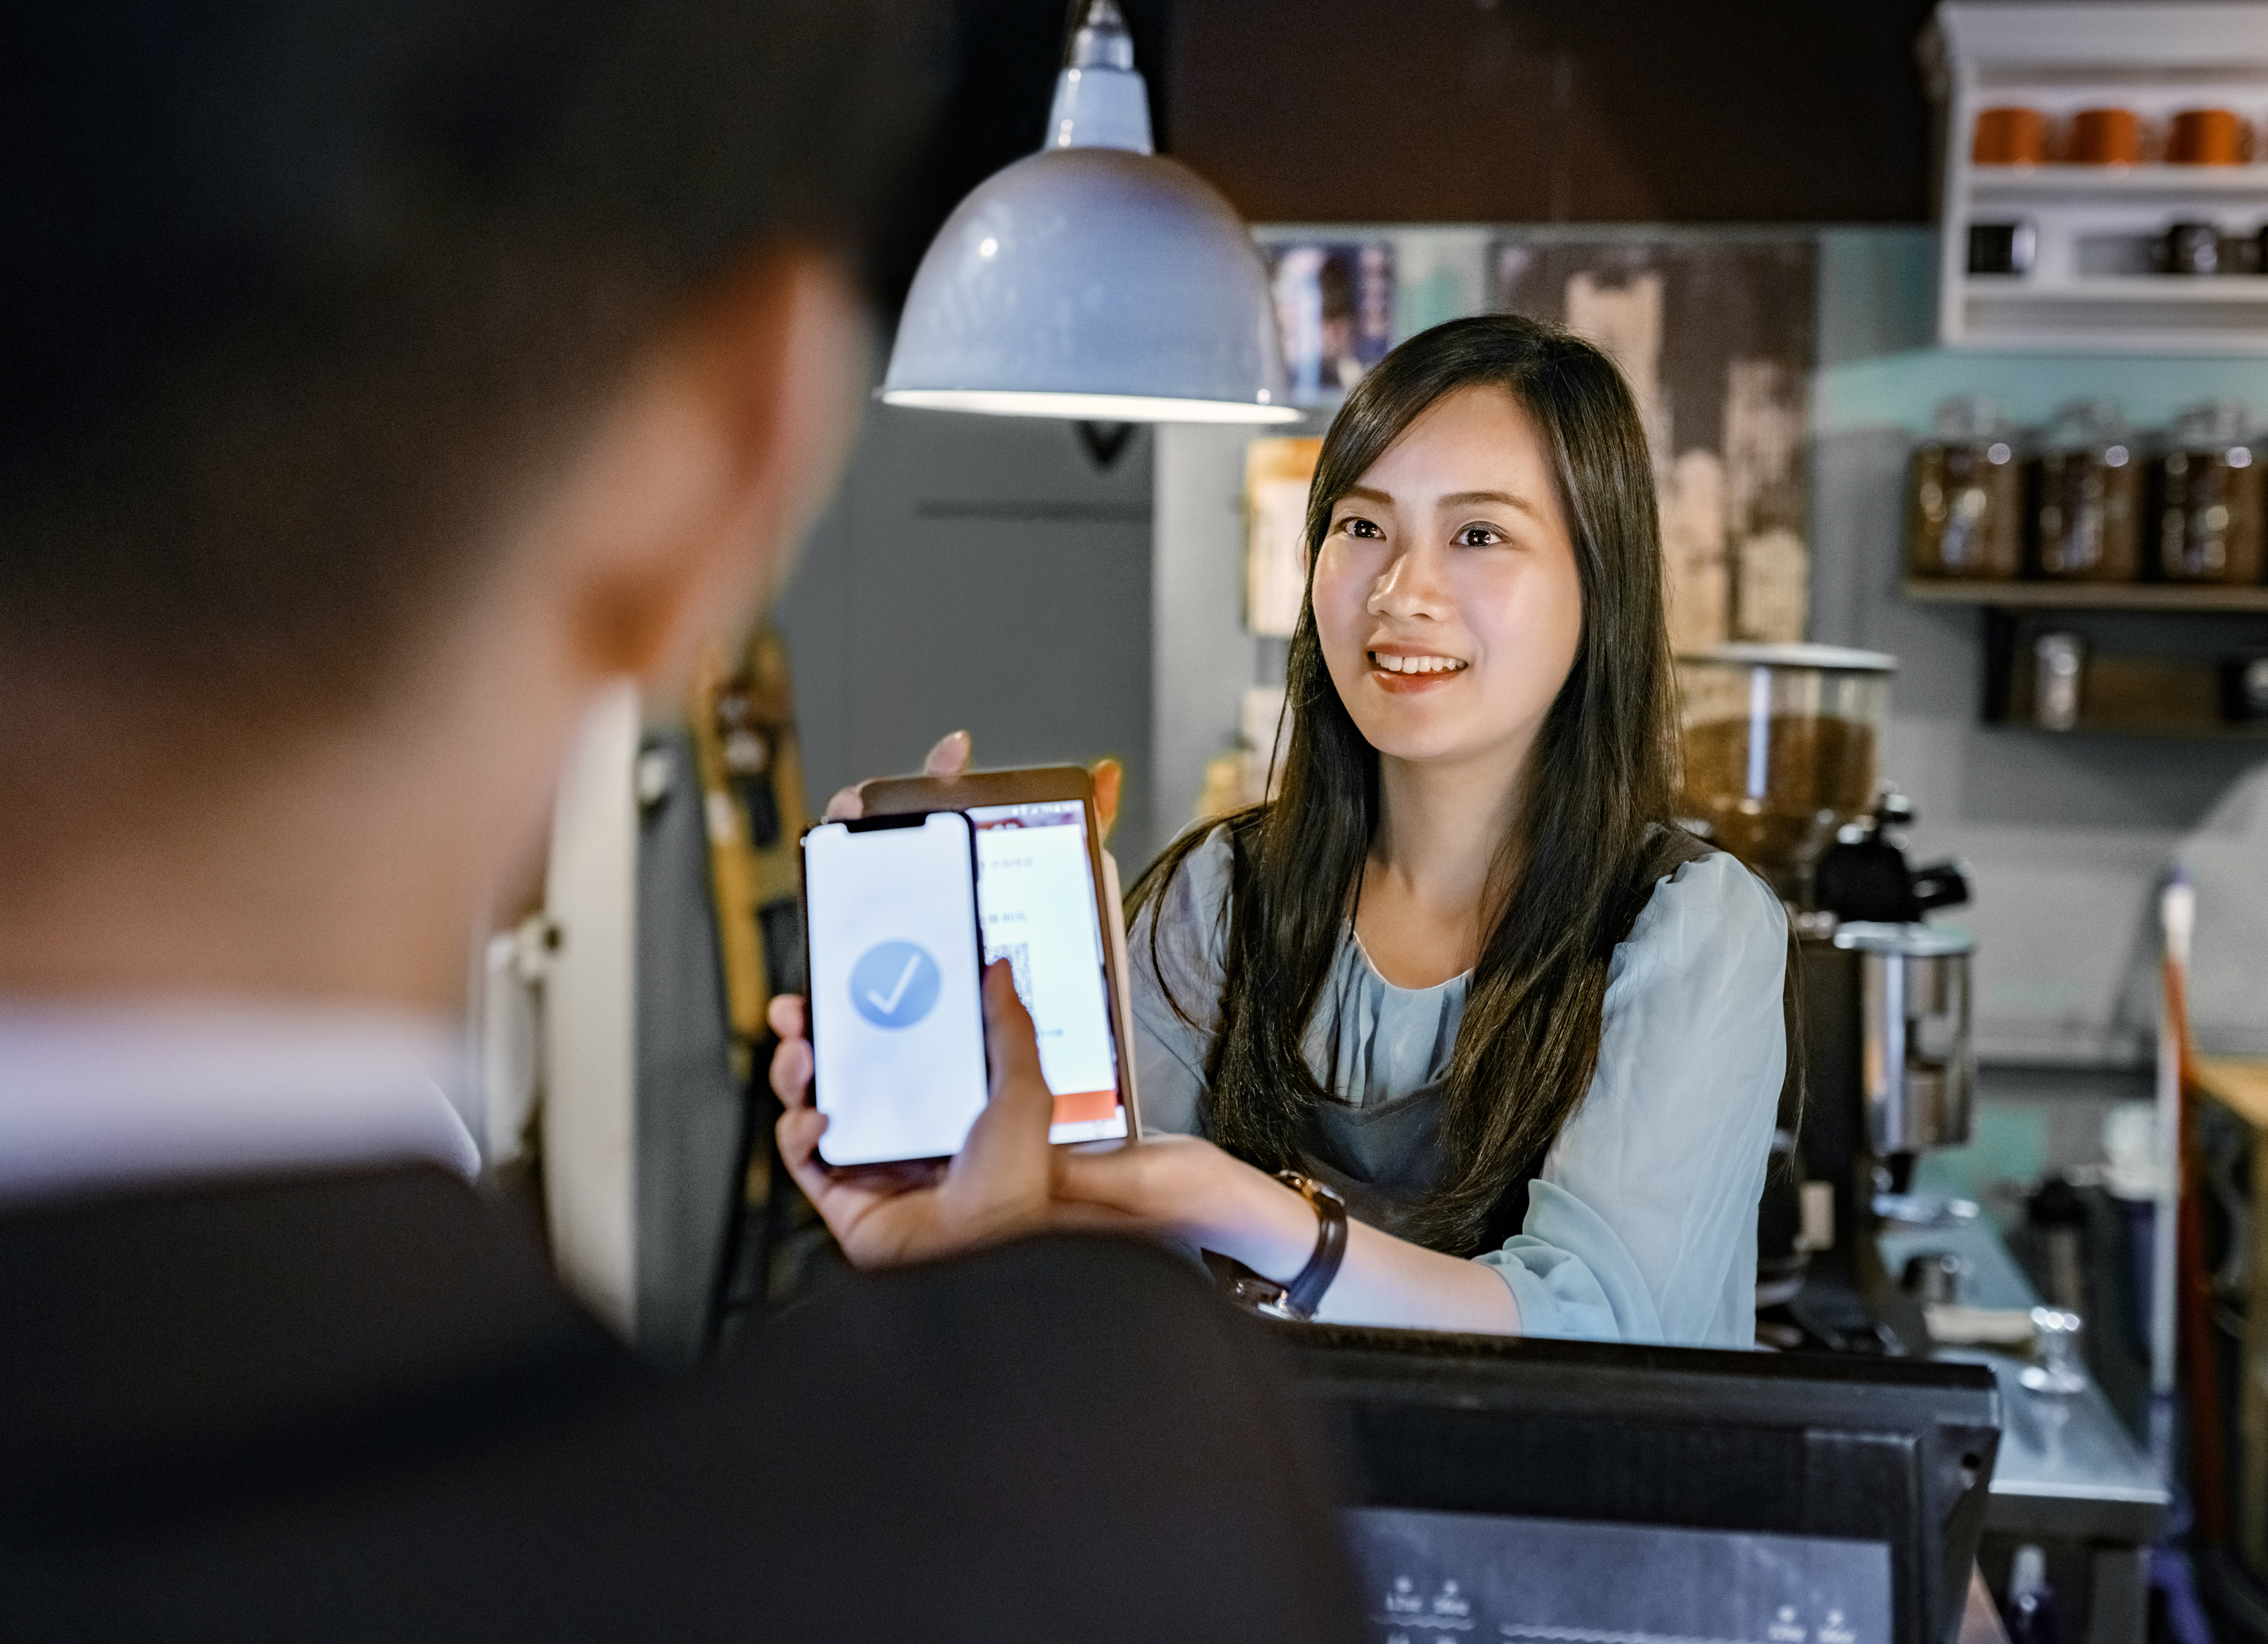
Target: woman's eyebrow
(1466, 499)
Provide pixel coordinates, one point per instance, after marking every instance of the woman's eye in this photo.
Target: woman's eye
(1361, 528)
(1478, 537)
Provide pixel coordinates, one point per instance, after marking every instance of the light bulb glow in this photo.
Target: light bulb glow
(1087, 407)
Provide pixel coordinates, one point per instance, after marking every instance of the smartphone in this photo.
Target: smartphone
(1046, 893)
(897, 986)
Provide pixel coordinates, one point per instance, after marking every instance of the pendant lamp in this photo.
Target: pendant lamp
(1094, 279)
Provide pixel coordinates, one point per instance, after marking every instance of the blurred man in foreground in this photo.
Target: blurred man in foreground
(379, 385)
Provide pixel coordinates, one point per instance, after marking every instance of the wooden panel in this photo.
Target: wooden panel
(2149, 692)
(1544, 110)
(2241, 1085)
(1369, 110)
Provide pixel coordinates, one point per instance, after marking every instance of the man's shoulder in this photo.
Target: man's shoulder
(150, 1325)
(357, 1406)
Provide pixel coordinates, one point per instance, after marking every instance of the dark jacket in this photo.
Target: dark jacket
(356, 1406)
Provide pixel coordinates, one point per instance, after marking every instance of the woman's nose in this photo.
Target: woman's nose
(1410, 586)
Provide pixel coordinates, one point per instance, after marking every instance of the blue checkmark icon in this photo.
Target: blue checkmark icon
(893, 984)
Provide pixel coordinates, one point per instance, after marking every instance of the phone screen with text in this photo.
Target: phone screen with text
(1036, 888)
(897, 1023)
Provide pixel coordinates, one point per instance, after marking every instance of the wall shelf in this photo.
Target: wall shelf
(2054, 596)
(2236, 288)
(2018, 183)
(2089, 287)
(2132, 682)
(2143, 731)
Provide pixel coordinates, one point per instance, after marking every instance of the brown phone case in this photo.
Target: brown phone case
(894, 796)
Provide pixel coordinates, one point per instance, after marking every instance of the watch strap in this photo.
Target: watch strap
(1298, 1300)
(1305, 1293)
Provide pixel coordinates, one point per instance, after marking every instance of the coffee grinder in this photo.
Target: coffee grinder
(1781, 745)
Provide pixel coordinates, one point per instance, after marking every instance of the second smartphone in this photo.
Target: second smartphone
(1049, 896)
(897, 986)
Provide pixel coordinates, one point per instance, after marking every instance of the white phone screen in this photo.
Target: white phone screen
(1036, 888)
(897, 1021)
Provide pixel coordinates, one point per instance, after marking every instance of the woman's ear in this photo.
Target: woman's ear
(727, 438)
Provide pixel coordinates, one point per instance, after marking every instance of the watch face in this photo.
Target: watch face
(1266, 1298)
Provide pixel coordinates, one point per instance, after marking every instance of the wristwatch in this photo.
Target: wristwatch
(1298, 1300)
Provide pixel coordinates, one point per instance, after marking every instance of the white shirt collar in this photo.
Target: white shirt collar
(101, 1096)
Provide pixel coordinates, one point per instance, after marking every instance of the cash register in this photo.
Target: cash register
(1576, 1493)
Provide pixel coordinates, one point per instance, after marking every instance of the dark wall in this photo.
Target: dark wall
(1554, 110)
(1444, 111)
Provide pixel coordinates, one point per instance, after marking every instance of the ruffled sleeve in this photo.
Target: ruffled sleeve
(1176, 986)
(1642, 1226)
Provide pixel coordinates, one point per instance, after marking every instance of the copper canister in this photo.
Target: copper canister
(2105, 136)
(1965, 496)
(2206, 136)
(2089, 511)
(2210, 523)
(2009, 137)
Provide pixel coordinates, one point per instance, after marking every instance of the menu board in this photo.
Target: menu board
(1440, 1578)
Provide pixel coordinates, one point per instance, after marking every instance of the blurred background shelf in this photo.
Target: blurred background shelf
(2107, 182)
(2148, 730)
(2131, 288)
(2055, 596)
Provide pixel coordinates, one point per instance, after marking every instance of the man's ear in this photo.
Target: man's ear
(686, 511)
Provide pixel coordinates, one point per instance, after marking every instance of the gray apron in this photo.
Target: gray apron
(1385, 1160)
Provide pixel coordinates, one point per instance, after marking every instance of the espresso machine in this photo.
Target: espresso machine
(1781, 749)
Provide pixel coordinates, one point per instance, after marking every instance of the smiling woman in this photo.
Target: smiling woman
(1466, 973)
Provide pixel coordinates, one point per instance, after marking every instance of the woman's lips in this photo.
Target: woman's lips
(1405, 675)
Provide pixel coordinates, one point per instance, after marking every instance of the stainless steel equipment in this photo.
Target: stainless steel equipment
(1780, 744)
(1918, 1065)
(2069, 1477)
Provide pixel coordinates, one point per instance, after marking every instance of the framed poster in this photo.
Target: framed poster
(1716, 337)
(1276, 474)
(1333, 311)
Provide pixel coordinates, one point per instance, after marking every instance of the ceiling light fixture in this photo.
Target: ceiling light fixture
(1095, 280)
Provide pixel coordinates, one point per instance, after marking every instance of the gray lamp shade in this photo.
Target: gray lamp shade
(1093, 282)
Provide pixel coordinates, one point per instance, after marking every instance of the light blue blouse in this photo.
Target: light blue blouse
(1641, 1225)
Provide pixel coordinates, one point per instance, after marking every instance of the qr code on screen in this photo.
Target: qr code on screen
(1018, 955)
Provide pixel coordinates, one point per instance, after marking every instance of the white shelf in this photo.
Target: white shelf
(2086, 290)
(2237, 289)
(2020, 183)
(2082, 322)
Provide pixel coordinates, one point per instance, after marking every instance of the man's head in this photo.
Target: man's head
(377, 381)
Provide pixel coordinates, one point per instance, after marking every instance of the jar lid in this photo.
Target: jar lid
(1972, 416)
(1834, 658)
(2086, 423)
(1909, 941)
(2214, 423)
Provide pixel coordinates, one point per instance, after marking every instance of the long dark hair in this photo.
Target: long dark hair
(1579, 861)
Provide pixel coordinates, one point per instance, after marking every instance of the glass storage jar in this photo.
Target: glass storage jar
(1965, 496)
(2210, 524)
(2089, 513)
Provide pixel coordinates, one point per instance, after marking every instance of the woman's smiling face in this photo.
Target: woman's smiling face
(1446, 592)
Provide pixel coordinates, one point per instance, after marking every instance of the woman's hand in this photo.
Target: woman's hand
(997, 1187)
